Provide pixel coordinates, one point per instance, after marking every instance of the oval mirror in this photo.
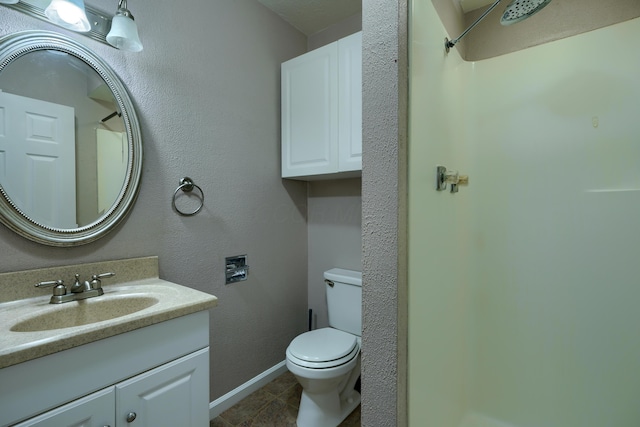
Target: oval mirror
(70, 143)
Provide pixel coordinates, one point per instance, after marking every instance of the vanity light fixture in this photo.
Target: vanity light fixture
(119, 31)
(68, 14)
(124, 32)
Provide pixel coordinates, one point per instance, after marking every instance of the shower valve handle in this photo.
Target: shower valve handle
(444, 177)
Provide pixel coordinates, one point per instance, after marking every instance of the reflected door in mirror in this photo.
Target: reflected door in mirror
(37, 147)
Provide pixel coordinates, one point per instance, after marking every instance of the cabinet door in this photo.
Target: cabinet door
(350, 103)
(94, 410)
(310, 113)
(175, 394)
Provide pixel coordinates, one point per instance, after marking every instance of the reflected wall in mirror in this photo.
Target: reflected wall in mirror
(70, 148)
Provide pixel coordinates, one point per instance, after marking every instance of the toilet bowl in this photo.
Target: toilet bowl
(326, 361)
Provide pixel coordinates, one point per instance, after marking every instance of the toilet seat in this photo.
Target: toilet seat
(323, 348)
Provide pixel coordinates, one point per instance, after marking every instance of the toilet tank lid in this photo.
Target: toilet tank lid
(341, 275)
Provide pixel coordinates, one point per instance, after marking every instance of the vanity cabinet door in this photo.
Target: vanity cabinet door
(174, 394)
(94, 410)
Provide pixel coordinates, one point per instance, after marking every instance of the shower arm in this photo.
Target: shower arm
(448, 44)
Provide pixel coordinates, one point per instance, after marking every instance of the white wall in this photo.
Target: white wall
(522, 300)
(206, 88)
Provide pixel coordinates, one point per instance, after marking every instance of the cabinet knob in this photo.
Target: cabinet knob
(131, 416)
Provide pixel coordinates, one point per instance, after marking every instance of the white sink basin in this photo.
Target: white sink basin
(84, 312)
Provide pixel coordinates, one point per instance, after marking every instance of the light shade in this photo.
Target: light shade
(124, 33)
(9, 1)
(68, 14)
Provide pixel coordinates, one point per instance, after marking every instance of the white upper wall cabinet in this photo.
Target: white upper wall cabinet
(322, 112)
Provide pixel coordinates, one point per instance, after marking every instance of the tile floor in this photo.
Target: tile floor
(274, 405)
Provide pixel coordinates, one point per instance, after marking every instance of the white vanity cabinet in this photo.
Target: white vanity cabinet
(97, 409)
(322, 112)
(160, 373)
(164, 396)
(174, 394)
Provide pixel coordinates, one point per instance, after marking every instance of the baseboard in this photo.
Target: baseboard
(225, 402)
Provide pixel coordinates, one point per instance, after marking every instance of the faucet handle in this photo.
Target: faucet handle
(95, 279)
(58, 286)
(49, 283)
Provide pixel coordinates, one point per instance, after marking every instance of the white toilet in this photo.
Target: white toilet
(326, 361)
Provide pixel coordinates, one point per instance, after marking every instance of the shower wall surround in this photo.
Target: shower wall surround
(207, 95)
(556, 290)
(533, 321)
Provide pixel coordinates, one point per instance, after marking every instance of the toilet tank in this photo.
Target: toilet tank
(344, 299)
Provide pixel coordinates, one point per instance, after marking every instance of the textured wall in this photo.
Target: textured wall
(206, 87)
(335, 236)
(383, 207)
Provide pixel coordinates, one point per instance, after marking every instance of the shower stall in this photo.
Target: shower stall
(524, 285)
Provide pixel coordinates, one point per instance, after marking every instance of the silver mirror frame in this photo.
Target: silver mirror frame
(18, 44)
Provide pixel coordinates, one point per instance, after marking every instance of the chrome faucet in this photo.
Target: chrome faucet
(79, 290)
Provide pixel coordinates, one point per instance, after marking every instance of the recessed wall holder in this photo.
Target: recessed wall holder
(444, 177)
(237, 269)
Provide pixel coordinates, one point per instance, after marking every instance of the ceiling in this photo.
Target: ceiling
(311, 16)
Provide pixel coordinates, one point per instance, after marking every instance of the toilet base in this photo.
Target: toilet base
(325, 410)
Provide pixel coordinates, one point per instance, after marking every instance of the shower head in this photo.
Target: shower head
(519, 10)
(516, 11)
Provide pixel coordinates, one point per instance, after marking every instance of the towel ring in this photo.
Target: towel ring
(186, 185)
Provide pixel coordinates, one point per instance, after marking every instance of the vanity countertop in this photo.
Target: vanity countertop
(136, 281)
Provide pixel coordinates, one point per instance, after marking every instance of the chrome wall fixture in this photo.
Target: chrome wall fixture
(187, 185)
(237, 269)
(445, 177)
(516, 11)
(119, 30)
